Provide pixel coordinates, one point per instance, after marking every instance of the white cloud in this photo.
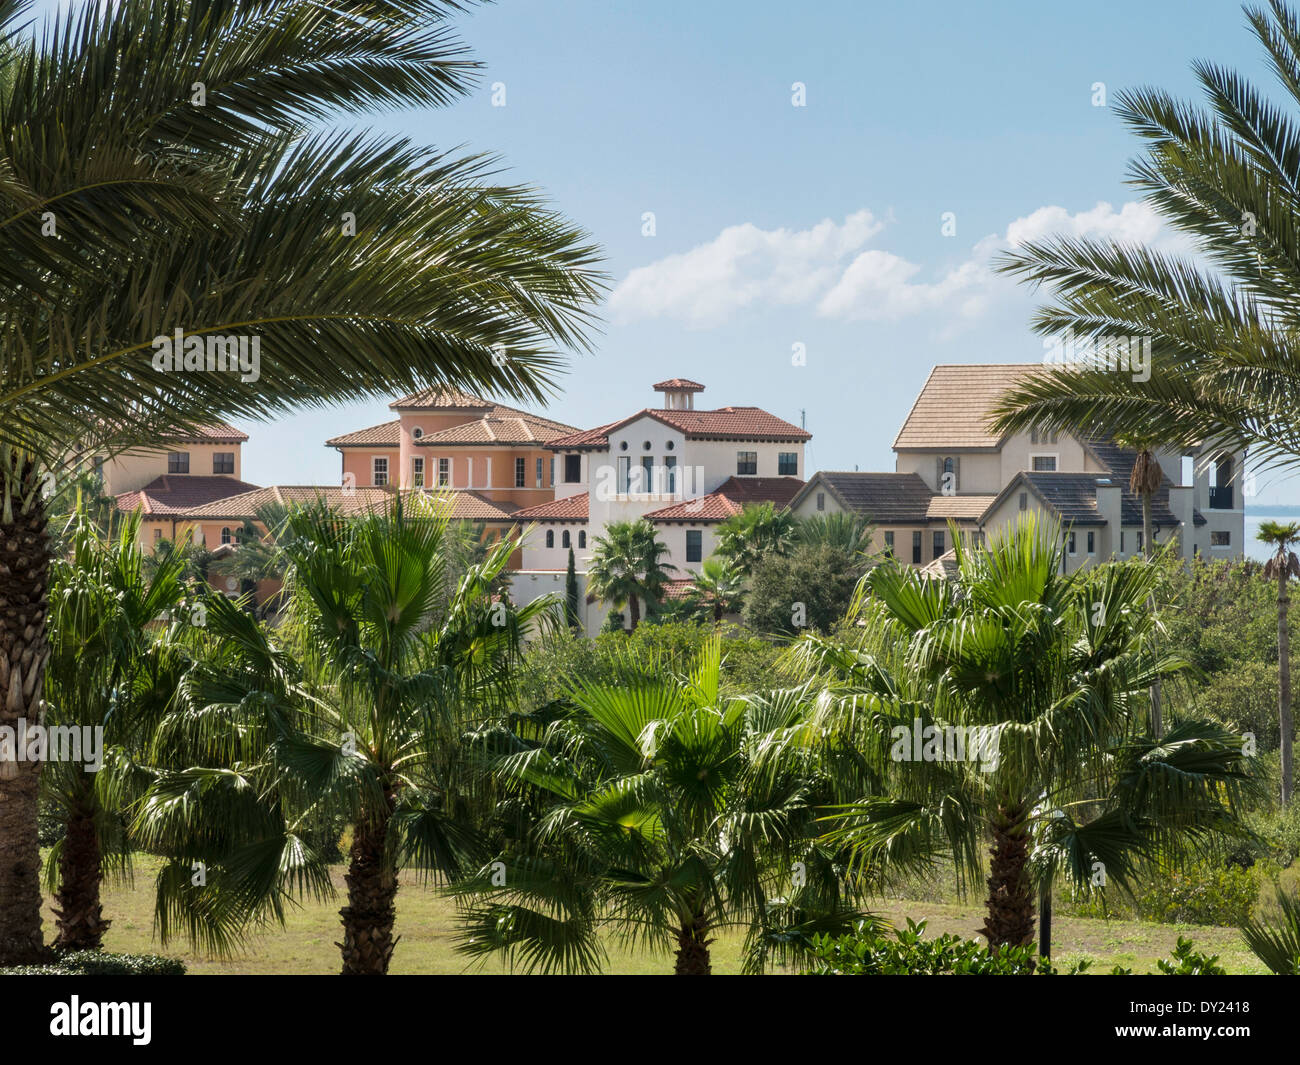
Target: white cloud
(830, 268)
(741, 267)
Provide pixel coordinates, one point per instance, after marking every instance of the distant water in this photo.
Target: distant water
(1254, 518)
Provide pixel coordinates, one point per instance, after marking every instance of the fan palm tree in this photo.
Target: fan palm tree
(140, 197)
(716, 589)
(105, 610)
(1045, 675)
(1281, 568)
(1277, 947)
(759, 529)
(394, 670)
(842, 530)
(627, 567)
(652, 813)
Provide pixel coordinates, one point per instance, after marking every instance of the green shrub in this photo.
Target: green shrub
(1190, 962)
(97, 963)
(1202, 894)
(867, 953)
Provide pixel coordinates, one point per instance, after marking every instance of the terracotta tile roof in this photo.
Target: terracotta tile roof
(731, 498)
(213, 433)
(677, 588)
(725, 423)
(466, 505)
(173, 494)
(953, 407)
(503, 427)
(943, 568)
(959, 508)
(570, 508)
(885, 498)
(386, 434)
(441, 399)
(679, 384)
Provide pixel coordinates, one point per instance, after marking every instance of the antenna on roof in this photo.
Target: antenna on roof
(803, 418)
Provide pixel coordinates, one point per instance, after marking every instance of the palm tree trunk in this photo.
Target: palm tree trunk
(24, 574)
(1045, 921)
(1285, 720)
(634, 611)
(372, 899)
(1010, 903)
(693, 948)
(78, 907)
(1148, 552)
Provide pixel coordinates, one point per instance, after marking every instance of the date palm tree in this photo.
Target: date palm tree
(1281, 568)
(650, 812)
(1046, 677)
(394, 668)
(159, 172)
(627, 567)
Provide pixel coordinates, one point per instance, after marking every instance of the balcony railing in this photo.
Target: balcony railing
(1221, 498)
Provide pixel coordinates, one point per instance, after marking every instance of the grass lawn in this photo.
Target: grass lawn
(425, 922)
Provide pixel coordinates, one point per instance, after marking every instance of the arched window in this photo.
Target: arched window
(225, 534)
(550, 537)
(582, 538)
(564, 539)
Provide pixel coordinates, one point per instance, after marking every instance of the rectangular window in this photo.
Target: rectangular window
(1040, 436)
(821, 500)
(178, 462)
(444, 472)
(1221, 539)
(1140, 541)
(647, 474)
(787, 464)
(670, 466)
(889, 544)
(379, 470)
(1045, 463)
(1092, 543)
(624, 474)
(1024, 500)
(1074, 547)
(694, 545)
(521, 473)
(539, 473)
(938, 543)
(157, 535)
(572, 469)
(417, 471)
(916, 548)
(223, 462)
(1122, 549)
(746, 463)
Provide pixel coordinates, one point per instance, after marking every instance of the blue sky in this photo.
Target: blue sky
(819, 225)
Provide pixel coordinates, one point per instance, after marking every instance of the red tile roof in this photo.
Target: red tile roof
(570, 508)
(725, 423)
(441, 399)
(731, 498)
(173, 494)
(386, 434)
(678, 588)
(503, 427)
(213, 433)
(679, 384)
(465, 505)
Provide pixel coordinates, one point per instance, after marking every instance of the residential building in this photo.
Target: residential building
(682, 468)
(447, 439)
(951, 467)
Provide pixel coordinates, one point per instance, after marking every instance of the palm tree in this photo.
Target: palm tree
(716, 589)
(1277, 947)
(1224, 370)
(394, 671)
(197, 198)
(759, 529)
(1281, 568)
(654, 813)
(1044, 674)
(105, 606)
(627, 566)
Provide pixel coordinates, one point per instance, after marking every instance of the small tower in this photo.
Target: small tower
(679, 393)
